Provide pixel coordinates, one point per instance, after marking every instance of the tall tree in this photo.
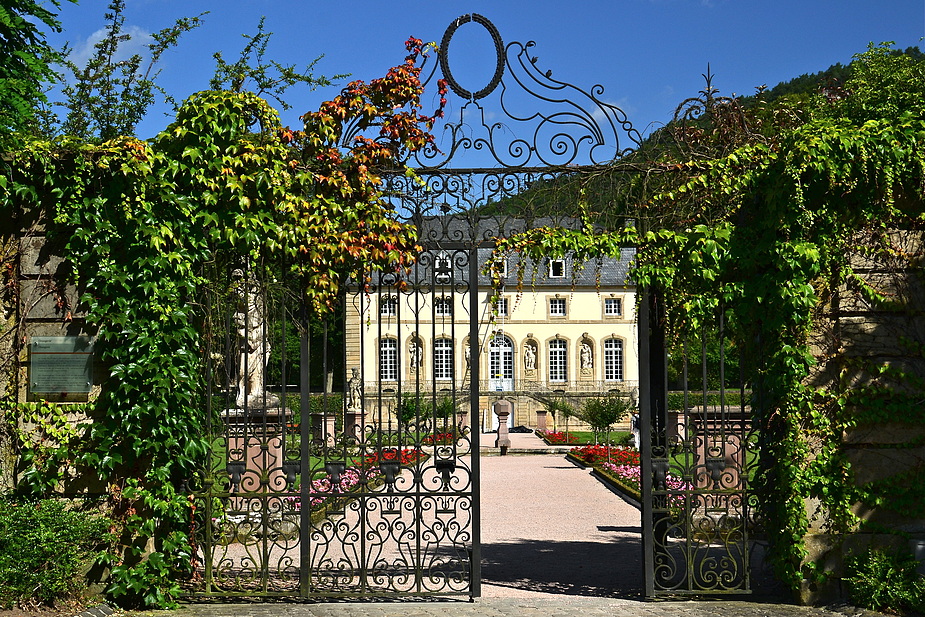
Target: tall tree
(108, 97)
(25, 63)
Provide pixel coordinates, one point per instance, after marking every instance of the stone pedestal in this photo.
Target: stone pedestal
(541, 419)
(503, 410)
(323, 428)
(354, 423)
(256, 449)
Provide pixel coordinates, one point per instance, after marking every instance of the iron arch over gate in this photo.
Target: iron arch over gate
(345, 454)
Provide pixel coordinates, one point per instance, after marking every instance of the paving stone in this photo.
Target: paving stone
(542, 556)
(567, 606)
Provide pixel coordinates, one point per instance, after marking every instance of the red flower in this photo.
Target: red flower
(618, 455)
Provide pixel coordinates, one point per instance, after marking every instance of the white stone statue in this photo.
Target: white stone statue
(587, 360)
(415, 355)
(355, 392)
(529, 357)
(255, 349)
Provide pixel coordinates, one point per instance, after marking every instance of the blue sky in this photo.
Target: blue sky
(647, 54)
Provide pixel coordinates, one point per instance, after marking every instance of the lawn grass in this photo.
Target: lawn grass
(581, 438)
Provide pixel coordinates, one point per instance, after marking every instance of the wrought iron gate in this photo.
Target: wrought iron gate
(344, 458)
(351, 481)
(697, 456)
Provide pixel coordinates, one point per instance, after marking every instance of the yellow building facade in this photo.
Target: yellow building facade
(562, 331)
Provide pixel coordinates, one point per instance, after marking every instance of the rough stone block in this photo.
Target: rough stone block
(884, 433)
(38, 256)
(879, 334)
(43, 299)
(870, 464)
(829, 551)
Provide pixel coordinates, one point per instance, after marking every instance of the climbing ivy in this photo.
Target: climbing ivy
(770, 223)
(140, 220)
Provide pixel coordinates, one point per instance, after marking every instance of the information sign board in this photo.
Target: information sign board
(60, 364)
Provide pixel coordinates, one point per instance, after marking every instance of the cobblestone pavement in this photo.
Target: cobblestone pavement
(564, 606)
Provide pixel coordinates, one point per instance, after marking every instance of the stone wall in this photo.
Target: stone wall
(878, 346)
(37, 299)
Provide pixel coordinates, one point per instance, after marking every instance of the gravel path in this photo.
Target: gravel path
(548, 527)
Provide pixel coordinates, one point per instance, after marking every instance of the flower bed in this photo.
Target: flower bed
(439, 439)
(406, 456)
(619, 455)
(629, 478)
(623, 470)
(556, 438)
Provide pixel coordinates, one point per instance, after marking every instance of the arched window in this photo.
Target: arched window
(558, 360)
(388, 359)
(443, 358)
(613, 360)
(500, 363)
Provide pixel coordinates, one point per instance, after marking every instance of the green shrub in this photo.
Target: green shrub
(623, 438)
(43, 549)
(732, 398)
(603, 413)
(885, 581)
(418, 407)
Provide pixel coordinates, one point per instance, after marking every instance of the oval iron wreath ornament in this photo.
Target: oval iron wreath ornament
(445, 64)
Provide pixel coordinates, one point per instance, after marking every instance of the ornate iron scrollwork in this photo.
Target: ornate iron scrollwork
(443, 56)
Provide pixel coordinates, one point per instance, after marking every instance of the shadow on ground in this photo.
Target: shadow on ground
(600, 569)
(595, 569)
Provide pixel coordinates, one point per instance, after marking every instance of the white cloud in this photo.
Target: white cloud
(136, 44)
(622, 103)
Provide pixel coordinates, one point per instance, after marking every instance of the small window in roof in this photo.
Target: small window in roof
(443, 268)
(556, 268)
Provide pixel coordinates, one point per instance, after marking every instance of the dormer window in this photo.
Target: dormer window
(443, 269)
(500, 266)
(556, 268)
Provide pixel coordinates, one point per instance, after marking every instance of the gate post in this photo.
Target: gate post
(653, 395)
(503, 409)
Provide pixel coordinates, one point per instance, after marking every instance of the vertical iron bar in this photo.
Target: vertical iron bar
(690, 458)
(655, 369)
(417, 348)
(265, 435)
(645, 445)
(325, 392)
(210, 304)
(305, 515)
(724, 416)
(361, 297)
(475, 578)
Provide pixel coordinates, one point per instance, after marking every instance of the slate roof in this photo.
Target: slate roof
(451, 236)
(613, 272)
